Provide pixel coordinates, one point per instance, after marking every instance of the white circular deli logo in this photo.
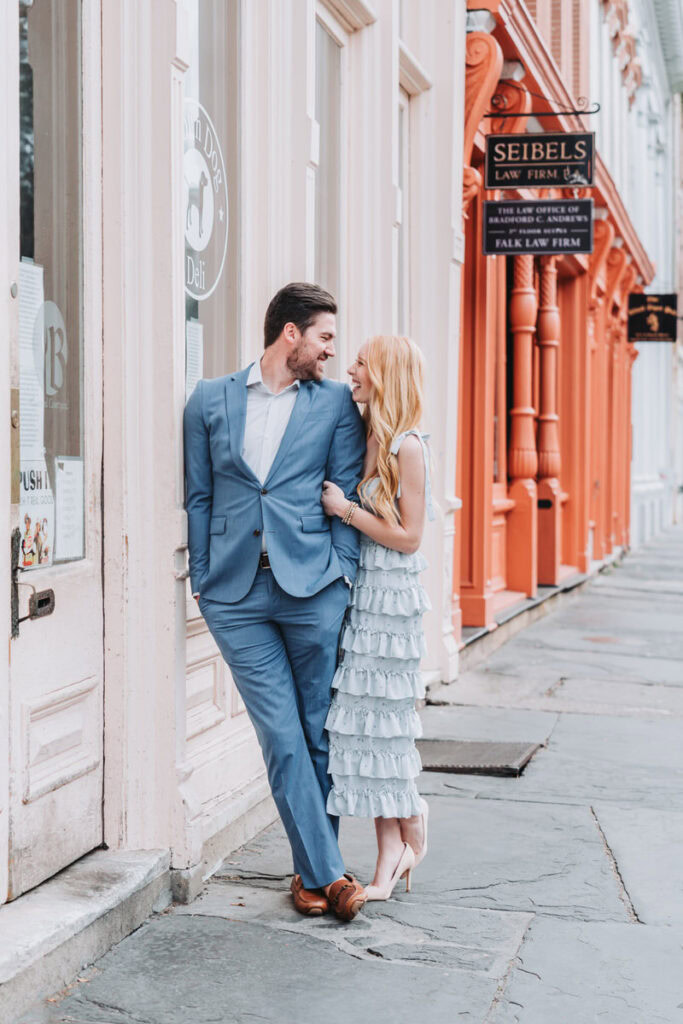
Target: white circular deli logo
(205, 202)
(50, 349)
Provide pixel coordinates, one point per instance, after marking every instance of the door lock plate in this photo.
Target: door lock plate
(41, 603)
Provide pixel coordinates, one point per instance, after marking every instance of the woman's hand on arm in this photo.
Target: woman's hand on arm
(406, 535)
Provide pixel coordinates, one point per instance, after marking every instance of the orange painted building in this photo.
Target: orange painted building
(545, 376)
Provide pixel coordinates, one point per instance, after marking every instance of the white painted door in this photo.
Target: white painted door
(54, 325)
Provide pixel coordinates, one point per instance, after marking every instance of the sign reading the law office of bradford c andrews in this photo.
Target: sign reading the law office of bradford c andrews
(541, 228)
(543, 160)
(652, 317)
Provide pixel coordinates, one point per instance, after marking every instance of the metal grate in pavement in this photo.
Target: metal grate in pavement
(476, 757)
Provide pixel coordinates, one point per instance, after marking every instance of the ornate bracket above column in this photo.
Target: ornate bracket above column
(483, 63)
(616, 266)
(510, 98)
(603, 236)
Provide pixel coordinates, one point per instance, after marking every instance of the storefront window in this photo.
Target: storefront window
(403, 214)
(328, 180)
(51, 284)
(211, 190)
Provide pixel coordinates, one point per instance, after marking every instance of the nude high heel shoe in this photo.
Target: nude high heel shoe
(425, 822)
(403, 869)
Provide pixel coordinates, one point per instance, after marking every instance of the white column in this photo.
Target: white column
(436, 34)
(144, 523)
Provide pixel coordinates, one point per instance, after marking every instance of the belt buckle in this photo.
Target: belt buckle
(264, 561)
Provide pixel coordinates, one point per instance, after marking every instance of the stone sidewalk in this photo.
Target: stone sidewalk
(555, 898)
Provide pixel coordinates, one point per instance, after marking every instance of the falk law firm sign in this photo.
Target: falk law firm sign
(652, 317)
(559, 159)
(541, 228)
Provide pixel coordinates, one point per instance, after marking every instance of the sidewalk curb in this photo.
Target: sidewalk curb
(50, 933)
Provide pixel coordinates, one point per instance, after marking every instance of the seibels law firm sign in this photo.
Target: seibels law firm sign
(544, 160)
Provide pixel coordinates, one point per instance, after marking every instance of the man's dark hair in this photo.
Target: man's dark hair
(297, 303)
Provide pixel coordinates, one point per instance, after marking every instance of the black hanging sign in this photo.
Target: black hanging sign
(544, 227)
(652, 317)
(540, 160)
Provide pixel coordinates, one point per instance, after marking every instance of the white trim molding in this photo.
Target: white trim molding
(353, 14)
(411, 75)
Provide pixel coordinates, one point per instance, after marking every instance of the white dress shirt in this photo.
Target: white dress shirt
(267, 418)
(266, 421)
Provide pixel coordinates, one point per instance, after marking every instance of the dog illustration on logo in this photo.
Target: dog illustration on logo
(195, 197)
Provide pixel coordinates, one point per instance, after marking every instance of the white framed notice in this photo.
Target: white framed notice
(194, 355)
(69, 510)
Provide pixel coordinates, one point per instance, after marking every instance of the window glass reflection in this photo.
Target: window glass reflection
(51, 284)
(211, 190)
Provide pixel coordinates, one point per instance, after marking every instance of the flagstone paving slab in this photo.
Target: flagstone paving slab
(582, 695)
(601, 659)
(569, 972)
(495, 724)
(647, 845)
(207, 970)
(427, 932)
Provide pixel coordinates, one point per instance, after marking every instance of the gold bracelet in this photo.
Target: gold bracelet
(348, 514)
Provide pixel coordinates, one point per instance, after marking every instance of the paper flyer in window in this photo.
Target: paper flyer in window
(36, 501)
(36, 516)
(194, 355)
(31, 362)
(69, 494)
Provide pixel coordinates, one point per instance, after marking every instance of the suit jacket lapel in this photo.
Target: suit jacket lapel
(236, 409)
(304, 399)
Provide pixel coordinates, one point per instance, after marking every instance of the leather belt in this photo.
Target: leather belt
(264, 561)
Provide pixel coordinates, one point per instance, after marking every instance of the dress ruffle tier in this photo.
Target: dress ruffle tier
(372, 722)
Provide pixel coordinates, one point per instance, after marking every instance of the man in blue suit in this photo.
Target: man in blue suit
(271, 572)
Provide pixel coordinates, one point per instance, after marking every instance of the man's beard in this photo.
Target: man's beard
(303, 365)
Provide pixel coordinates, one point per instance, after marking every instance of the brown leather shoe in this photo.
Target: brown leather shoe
(308, 901)
(346, 896)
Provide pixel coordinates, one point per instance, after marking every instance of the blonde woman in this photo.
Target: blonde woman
(372, 723)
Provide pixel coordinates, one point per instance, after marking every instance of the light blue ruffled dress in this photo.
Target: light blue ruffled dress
(372, 722)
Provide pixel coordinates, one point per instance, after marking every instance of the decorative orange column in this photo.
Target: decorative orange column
(603, 236)
(548, 442)
(616, 266)
(522, 556)
(483, 64)
(623, 413)
(631, 356)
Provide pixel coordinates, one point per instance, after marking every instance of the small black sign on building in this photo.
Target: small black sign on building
(541, 228)
(652, 317)
(543, 160)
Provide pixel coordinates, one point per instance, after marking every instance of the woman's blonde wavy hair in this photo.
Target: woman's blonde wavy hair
(396, 370)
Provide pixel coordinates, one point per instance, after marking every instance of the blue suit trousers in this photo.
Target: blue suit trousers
(282, 652)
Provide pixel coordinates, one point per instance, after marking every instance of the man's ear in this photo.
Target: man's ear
(291, 333)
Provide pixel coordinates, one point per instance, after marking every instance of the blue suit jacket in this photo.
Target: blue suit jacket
(228, 508)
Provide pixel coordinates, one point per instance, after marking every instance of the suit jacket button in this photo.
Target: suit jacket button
(257, 533)
(264, 491)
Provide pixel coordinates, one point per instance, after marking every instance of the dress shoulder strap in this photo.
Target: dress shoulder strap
(422, 438)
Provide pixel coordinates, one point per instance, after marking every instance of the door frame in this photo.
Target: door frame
(67, 574)
(9, 318)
